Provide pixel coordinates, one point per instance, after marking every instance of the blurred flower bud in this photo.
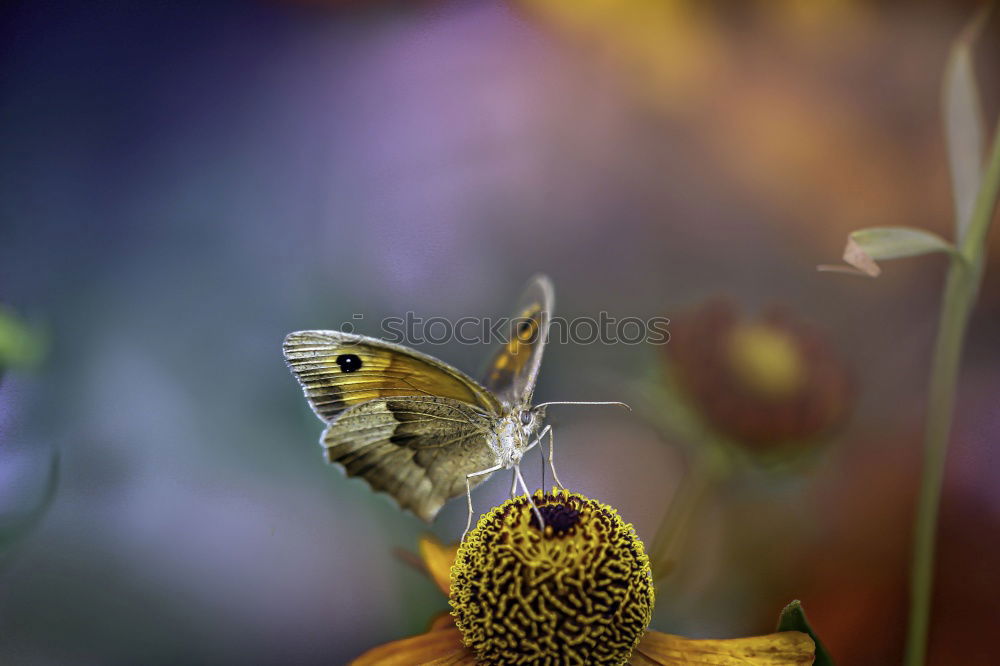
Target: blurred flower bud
(768, 383)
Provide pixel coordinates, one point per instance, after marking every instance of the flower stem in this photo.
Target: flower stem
(961, 288)
(695, 486)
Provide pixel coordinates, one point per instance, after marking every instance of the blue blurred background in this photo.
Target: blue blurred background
(181, 184)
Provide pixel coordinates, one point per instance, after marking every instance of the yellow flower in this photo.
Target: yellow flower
(578, 592)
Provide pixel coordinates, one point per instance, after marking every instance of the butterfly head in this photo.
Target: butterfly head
(515, 433)
(530, 419)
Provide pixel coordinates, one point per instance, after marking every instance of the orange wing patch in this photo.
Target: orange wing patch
(514, 359)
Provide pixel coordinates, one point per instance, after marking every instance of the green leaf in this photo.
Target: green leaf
(793, 618)
(963, 122)
(20, 345)
(15, 528)
(865, 246)
(896, 242)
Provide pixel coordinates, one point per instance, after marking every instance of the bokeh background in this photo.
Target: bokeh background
(181, 184)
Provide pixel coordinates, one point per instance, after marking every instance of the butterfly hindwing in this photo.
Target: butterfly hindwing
(512, 372)
(339, 370)
(417, 449)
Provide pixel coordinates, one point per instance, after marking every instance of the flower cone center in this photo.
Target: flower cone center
(765, 360)
(578, 592)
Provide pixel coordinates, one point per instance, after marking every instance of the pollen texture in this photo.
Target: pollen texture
(578, 592)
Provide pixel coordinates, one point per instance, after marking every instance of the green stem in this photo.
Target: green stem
(695, 486)
(960, 292)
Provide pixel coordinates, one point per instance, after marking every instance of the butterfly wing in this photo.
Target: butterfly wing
(513, 370)
(340, 370)
(417, 449)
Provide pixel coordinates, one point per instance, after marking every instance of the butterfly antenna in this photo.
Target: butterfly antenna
(618, 404)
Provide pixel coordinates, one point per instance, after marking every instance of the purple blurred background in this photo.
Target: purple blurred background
(181, 184)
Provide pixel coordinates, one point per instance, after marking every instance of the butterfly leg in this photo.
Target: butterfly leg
(468, 494)
(542, 454)
(541, 451)
(513, 484)
(552, 464)
(527, 493)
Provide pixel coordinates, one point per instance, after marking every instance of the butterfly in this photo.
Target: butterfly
(416, 428)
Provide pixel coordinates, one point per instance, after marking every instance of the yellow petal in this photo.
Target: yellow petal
(781, 649)
(465, 658)
(438, 559)
(425, 648)
(639, 659)
(442, 620)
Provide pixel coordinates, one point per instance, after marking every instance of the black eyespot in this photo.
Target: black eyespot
(525, 418)
(349, 362)
(523, 327)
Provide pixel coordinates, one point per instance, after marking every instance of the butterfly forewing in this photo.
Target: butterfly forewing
(339, 370)
(417, 449)
(512, 372)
